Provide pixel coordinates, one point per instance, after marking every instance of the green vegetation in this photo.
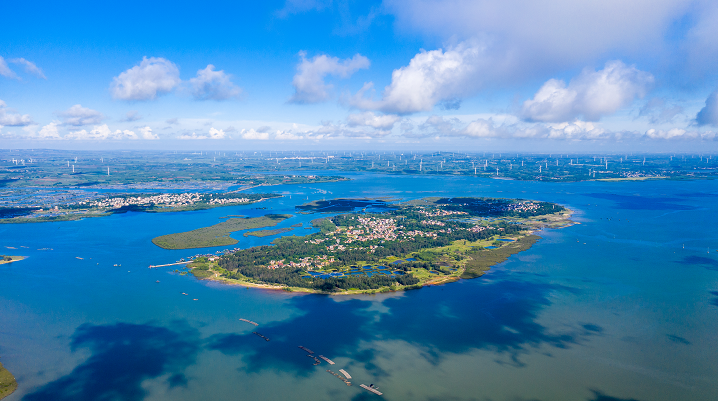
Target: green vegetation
(434, 241)
(7, 382)
(267, 233)
(218, 234)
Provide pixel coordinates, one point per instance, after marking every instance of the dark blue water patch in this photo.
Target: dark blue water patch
(505, 240)
(599, 396)
(327, 327)
(499, 314)
(396, 262)
(490, 247)
(714, 301)
(637, 202)
(707, 262)
(433, 272)
(324, 276)
(123, 357)
(678, 339)
(367, 267)
(411, 259)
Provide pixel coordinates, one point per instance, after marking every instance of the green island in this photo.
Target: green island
(10, 259)
(8, 384)
(218, 234)
(387, 247)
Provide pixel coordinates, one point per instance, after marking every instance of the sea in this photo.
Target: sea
(622, 305)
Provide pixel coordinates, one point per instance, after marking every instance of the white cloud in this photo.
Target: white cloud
(213, 85)
(217, 133)
(193, 136)
(287, 136)
(78, 115)
(153, 76)
(680, 134)
(251, 134)
(369, 119)
(658, 111)
(50, 131)
(309, 82)
(708, 115)
(541, 37)
(29, 67)
(592, 94)
(13, 119)
(101, 133)
(147, 133)
(480, 128)
(5, 71)
(430, 78)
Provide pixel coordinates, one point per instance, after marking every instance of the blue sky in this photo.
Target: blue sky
(560, 75)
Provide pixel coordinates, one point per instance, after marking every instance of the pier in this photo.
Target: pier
(329, 361)
(249, 321)
(348, 383)
(306, 349)
(316, 360)
(262, 336)
(344, 372)
(170, 264)
(372, 389)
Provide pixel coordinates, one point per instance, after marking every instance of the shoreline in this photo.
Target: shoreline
(495, 256)
(8, 384)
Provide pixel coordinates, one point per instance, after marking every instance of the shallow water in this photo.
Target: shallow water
(623, 305)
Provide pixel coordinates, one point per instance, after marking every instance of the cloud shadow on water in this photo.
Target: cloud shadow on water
(123, 356)
(636, 202)
(327, 327)
(500, 315)
(708, 263)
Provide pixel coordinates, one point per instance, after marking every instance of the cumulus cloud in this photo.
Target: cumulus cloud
(369, 119)
(78, 115)
(101, 133)
(432, 77)
(13, 119)
(309, 85)
(50, 131)
(287, 136)
(708, 115)
(131, 116)
(213, 85)
(679, 134)
(193, 136)
(546, 37)
(591, 95)
(152, 77)
(217, 133)
(253, 135)
(28, 66)
(146, 133)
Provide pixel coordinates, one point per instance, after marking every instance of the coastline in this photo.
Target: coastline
(8, 384)
(476, 265)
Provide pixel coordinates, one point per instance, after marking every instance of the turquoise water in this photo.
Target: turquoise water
(622, 305)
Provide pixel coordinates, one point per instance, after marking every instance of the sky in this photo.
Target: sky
(424, 75)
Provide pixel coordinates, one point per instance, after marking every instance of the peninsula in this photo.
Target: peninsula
(8, 384)
(389, 246)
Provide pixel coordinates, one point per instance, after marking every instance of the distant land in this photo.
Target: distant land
(8, 384)
(380, 246)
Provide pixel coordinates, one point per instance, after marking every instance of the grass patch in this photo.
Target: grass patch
(7, 382)
(482, 260)
(218, 234)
